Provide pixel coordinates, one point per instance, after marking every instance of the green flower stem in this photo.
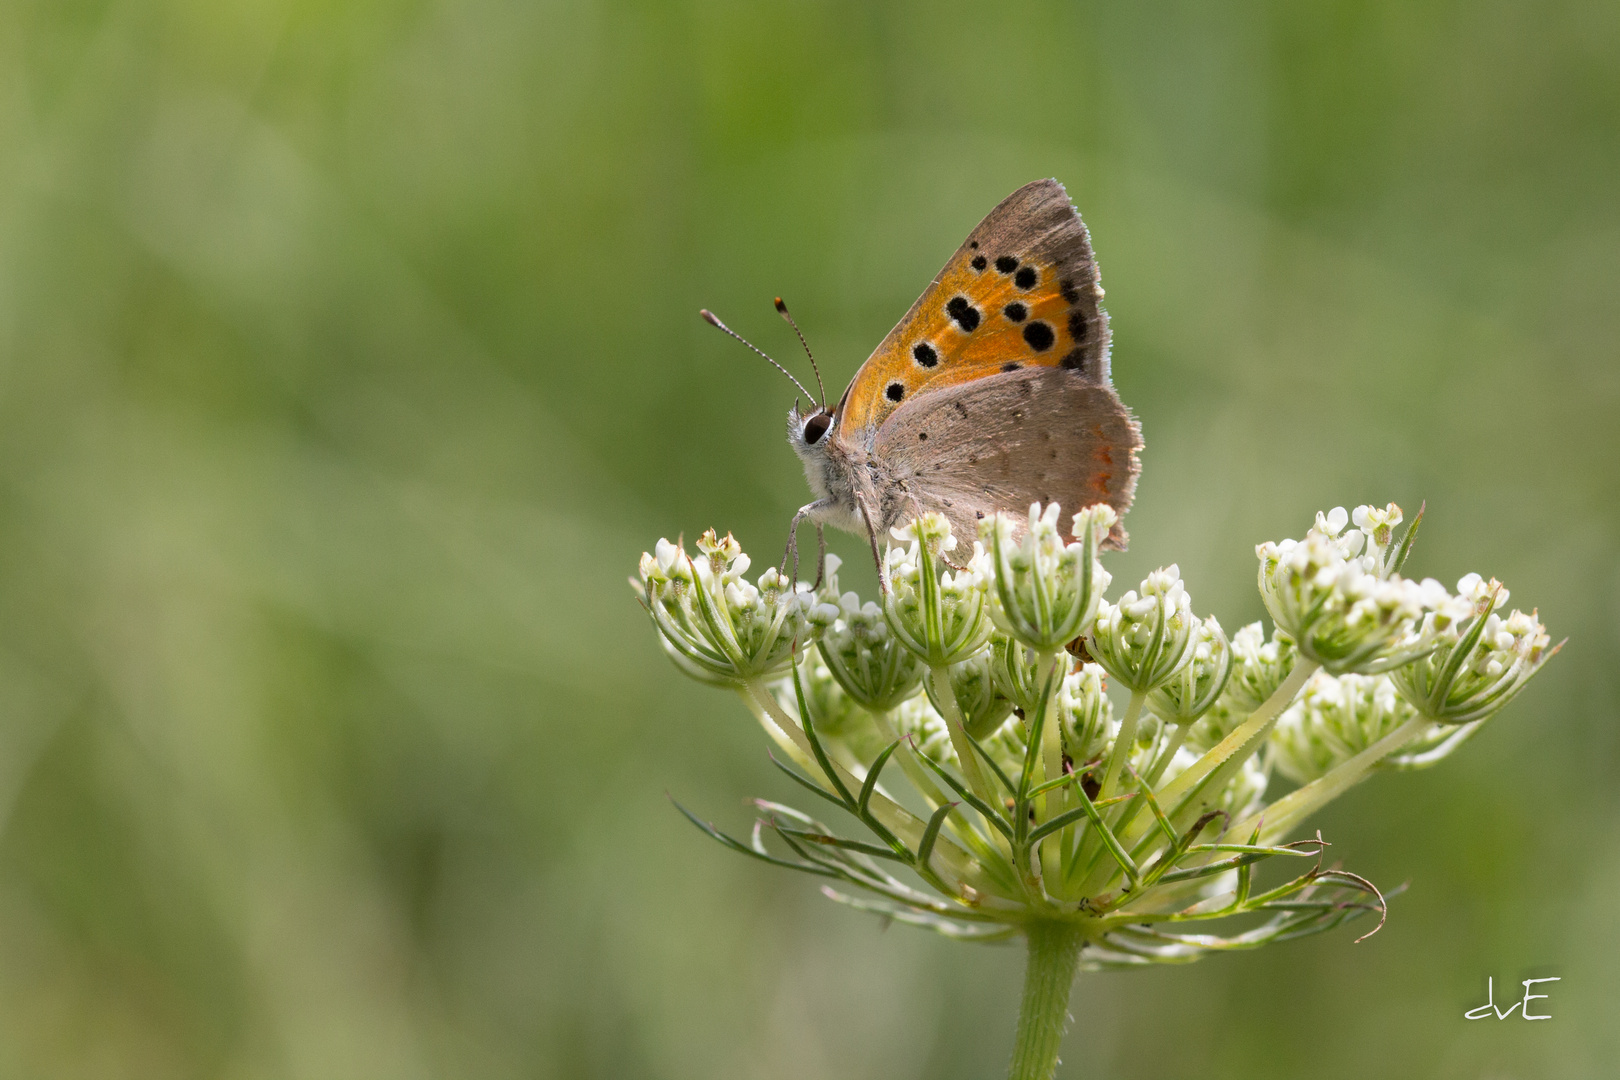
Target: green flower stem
(1288, 811)
(788, 737)
(1226, 756)
(1056, 801)
(966, 756)
(1168, 754)
(988, 852)
(1123, 742)
(908, 762)
(1043, 1015)
(1247, 734)
(1128, 813)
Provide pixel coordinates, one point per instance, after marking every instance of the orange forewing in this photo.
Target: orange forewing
(996, 341)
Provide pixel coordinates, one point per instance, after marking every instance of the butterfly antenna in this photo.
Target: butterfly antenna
(710, 318)
(780, 306)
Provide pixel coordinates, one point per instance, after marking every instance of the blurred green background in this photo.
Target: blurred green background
(349, 357)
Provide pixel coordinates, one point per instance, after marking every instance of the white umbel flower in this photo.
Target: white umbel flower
(716, 625)
(1045, 592)
(937, 612)
(1144, 639)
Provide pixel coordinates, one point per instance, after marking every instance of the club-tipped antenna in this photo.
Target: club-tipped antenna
(710, 318)
(780, 306)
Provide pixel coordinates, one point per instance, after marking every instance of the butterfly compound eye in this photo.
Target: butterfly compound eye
(816, 427)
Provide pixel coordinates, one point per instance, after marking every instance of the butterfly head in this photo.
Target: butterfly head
(808, 431)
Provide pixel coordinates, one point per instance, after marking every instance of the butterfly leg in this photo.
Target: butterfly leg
(821, 555)
(808, 510)
(865, 508)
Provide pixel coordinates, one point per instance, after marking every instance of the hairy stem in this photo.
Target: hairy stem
(1246, 735)
(1043, 1015)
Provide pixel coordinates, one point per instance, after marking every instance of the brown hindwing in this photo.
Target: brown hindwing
(1009, 440)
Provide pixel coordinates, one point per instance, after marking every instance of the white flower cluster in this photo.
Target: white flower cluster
(940, 613)
(715, 624)
(1473, 673)
(1340, 601)
(1087, 715)
(1335, 718)
(1143, 640)
(1190, 691)
(1045, 591)
(985, 681)
(860, 650)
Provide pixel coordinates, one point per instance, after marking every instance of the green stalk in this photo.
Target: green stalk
(965, 755)
(779, 726)
(908, 763)
(1246, 734)
(1123, 742)
(1056, 801)
(1043, 1015)
(1288, 811)
(1224, 758)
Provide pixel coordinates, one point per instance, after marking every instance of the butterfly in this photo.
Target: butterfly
(990, 394)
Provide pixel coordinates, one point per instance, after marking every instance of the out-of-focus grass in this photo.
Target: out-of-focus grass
(348, 356)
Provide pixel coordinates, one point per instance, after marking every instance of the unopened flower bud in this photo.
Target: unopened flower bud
(1258, 667)
(1086, 714)
(860, 650)
(983, 708)
(1482, 665)
(1017, 671)
(1337, 609)
(716, 625)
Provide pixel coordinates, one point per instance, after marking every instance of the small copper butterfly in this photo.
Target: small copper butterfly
(990, 394)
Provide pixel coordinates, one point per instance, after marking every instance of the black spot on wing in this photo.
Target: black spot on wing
(965, 314)
(1006, 264)
(1071, 294)
(1012, 366)
(980, 262)
(1075, 360)
(1015, 311)
(924, 354)
(1077, 325)
(1026, 278)
(1039, 335)
(895, 392)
